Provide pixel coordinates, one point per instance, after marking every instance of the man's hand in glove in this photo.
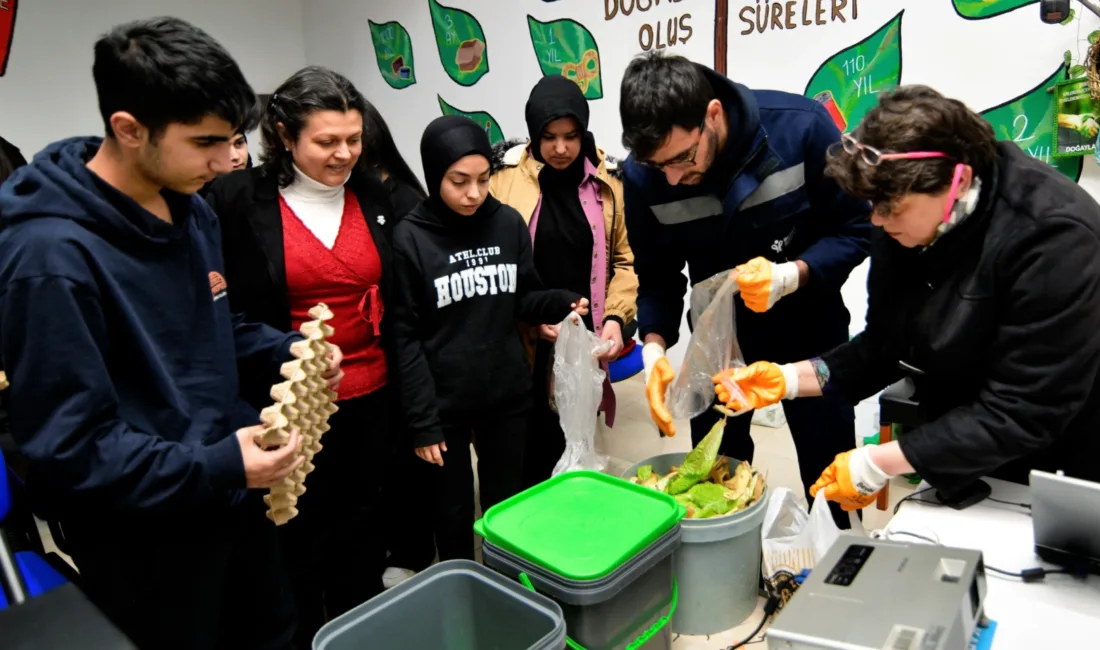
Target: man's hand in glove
(852, 480)
(763, 384)
(659, 375)
(763, 283)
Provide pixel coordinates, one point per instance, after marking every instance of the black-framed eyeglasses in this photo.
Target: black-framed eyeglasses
(684, 162)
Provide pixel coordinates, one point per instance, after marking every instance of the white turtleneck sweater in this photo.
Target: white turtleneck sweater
(316, 205)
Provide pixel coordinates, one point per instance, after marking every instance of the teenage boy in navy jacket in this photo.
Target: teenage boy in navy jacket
(722, 177)
(122, 353)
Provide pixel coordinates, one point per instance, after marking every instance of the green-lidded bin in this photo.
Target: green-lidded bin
(718, 564)
(599, 546)
(580, 525)
(455, 605)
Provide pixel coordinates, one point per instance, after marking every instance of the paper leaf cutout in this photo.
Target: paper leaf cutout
(7, 31)
(979, 9)
(486, 121)
(848, 83)
(394, 52)
(566, 47)
(461, 43)
(1029, 121)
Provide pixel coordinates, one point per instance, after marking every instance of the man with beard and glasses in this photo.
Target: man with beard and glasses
(122, 353)
(725, 178)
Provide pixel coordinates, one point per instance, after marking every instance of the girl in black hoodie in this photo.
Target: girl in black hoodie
(465, 274)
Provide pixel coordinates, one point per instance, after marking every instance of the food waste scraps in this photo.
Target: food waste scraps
(704, 484)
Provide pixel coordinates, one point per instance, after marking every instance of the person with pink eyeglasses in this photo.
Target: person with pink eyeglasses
(984, 288)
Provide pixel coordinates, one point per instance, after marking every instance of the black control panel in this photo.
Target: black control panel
(849, 566)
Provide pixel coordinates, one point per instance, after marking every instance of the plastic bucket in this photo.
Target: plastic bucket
(456, 605)
(630, 608)
(717, 566)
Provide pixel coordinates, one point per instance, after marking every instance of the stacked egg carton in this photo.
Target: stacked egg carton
(302, 402)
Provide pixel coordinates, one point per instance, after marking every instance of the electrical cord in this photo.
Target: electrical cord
(769, 608)
(914, 495)
(1009, 503)
(1034, 574)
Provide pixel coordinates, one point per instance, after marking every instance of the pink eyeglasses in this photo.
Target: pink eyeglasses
(873, 157)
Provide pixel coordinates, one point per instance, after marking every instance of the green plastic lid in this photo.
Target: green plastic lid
(580, 525)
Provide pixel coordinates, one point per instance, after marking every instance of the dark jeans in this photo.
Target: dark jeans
(500, 443)
(334, 550)
(409, 532)
(821, 428)
(194, 586)
(545, 438)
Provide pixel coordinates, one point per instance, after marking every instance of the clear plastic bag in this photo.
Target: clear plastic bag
(578, 391)
(793, 539)
(713, 348)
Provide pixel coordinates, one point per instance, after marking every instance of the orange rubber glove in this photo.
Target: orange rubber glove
(660, 378)
(763, 383)
(763, 283)
(852, 480)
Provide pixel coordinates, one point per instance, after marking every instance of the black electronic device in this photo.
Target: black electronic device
(1053, 12)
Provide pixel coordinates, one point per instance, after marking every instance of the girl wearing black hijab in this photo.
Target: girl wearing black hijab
(465, 274)
(570, 194)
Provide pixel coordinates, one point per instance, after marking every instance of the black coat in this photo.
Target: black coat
(1002, 316)
(247, 205)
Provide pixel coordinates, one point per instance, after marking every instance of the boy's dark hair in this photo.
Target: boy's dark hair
(307, 91)
(907, 119)
(10, 159)
(659, 93)
(166, 70)
(381, 151)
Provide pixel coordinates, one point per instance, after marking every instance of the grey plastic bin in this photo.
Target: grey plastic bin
(718, 564)
(614, 611)
(455, 605)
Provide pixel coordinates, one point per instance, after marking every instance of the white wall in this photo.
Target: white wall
(982, 62)
(47, 92)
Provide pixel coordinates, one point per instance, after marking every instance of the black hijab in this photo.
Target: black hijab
(563, 236)
(447, 140)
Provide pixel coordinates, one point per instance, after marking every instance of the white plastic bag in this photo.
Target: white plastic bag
(578, 390)
(713, 348)
(792, 538)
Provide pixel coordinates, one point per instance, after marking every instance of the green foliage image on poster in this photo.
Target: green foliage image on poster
(461, 43)
(394, 52)
(848, 83)
(566, 47)
(978, 9)
(1029, 121)
(486, 121)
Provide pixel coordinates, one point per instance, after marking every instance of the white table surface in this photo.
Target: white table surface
(1058, 612)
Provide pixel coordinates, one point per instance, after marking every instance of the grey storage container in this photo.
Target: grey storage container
(718, 564)
(456, 605)
(635, 600)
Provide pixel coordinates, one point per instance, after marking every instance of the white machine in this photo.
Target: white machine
(879, 595)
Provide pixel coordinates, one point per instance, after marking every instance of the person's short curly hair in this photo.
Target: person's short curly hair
(907, 119)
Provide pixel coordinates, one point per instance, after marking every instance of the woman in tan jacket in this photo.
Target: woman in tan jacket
(570, 195)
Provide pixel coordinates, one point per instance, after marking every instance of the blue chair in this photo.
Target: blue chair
(25, 571)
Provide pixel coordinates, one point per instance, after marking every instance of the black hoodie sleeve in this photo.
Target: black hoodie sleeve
(258, 345)
(54, 338)
(418, 396)
(535, 304)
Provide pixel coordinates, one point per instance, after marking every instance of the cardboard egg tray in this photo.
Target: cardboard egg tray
(302, 402)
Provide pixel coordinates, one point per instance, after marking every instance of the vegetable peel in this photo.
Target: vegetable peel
(704, 483)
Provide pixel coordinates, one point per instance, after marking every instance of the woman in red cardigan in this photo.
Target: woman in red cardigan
(311, 225)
